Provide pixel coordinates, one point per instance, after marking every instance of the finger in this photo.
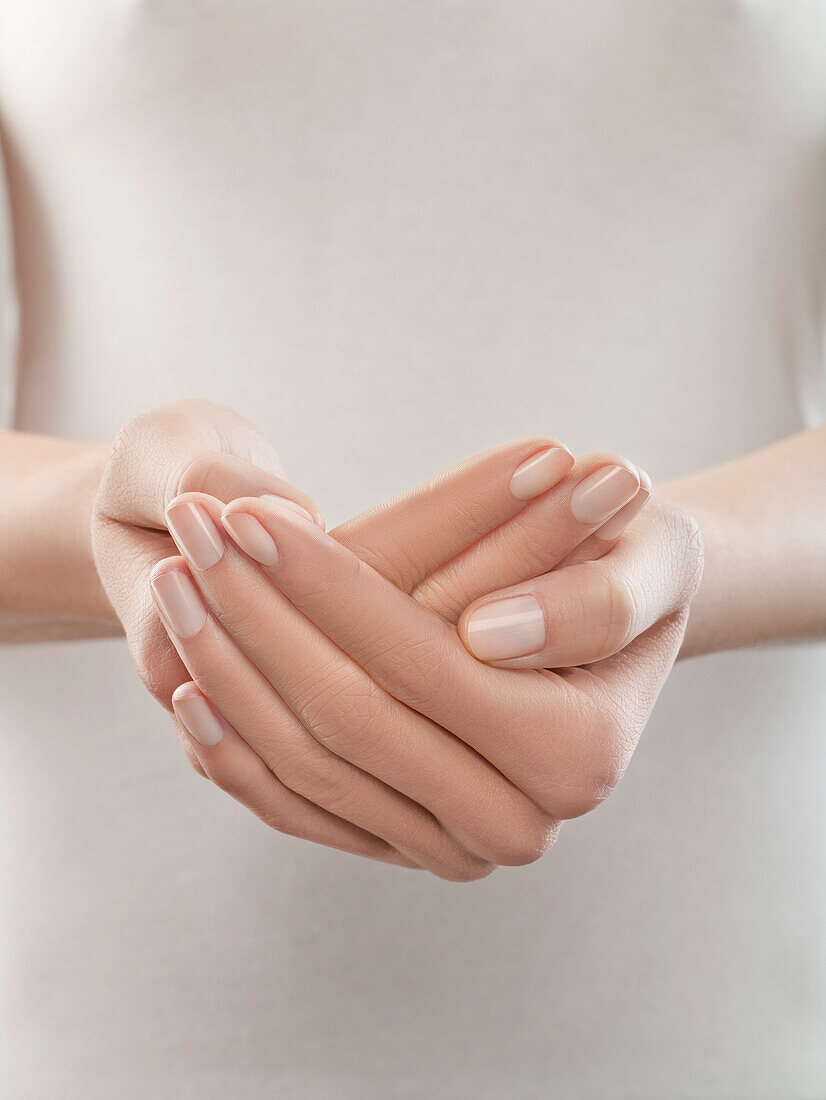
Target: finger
(182, 446)
(337, 701)
(583, 613)
(408, 537)
(605, 537)
(186, 743)
(541, 729)
(139, 550)
(241, 693)
(562, 738)
(535, 540)
(231, 764)
(409, 651)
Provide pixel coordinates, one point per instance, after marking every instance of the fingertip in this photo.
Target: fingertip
(198, 716)
(249, 534)
(187, 690)
(541, 472)
(611, 530)
(167, 565)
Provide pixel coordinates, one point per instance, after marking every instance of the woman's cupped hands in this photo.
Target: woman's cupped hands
(441, 681)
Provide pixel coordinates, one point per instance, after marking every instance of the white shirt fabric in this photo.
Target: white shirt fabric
(394, 235)
(9, 314)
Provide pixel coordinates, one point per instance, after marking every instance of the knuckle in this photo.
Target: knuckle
(622, 611)
(597, 776)
(196, 476)
(242, 619)
(518, 847)
(624, 614)
(597, 747)
(611, 605)
(582, 794)
(470, 870)
(276, 822)
(441, 593)
(346, 707)
(417, 663)
(321, 778)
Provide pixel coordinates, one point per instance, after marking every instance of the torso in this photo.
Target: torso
(393, 235)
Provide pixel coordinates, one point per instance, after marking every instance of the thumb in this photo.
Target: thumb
(583, 613)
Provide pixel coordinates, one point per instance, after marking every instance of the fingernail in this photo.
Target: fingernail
(541, 472)
(613, 528)
(252, 537)
(290, 505)
(507, 628)
(199, 718)
(196, 535)
(597, 497)
(180, 602)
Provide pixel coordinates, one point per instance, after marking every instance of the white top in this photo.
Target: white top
(393, 235)
(9, 312)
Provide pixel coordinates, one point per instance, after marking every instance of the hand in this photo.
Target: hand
(333, 728)
(185, 446)
(591, 608)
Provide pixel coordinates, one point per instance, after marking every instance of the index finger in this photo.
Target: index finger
(536, 539)
(412, 653)
(406, 538)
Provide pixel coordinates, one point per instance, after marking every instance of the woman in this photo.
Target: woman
(394, 235)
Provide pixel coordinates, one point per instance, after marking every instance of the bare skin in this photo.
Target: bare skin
(750, 512)
(615, 611)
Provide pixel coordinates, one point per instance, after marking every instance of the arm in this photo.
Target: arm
(49, 585)
(763, 523)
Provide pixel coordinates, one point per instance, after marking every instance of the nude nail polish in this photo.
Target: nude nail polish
(195, 534)
(180, 602)
(541, 472)
(613, 528)
(199, 718)
(503, 629)
(603, 493)
(252, 537)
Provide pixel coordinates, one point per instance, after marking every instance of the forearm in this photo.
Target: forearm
(763, 522)
(49, 586)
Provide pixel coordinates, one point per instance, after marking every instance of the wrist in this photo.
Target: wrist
(49, 585)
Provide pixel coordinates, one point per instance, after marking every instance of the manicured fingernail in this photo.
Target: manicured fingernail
(613, 528)
(180, 602)
(541, 472)
(252, 537)
(597, 497)
(507, 628)
(290, 505)
(200, 720)
(196, 535)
